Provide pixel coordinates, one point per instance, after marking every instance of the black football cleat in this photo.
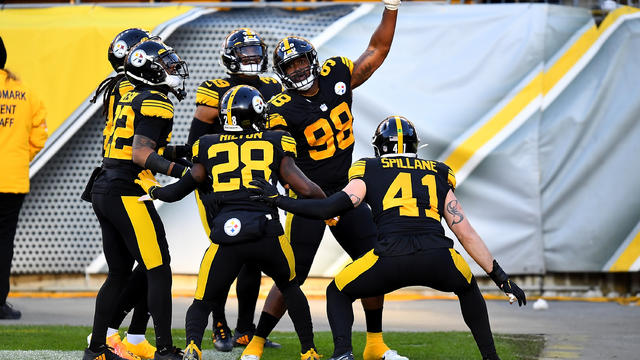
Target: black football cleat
(104, 353)
(243, 339)
(222, 338)
(345, 356)
(7, 312)
(172, 354)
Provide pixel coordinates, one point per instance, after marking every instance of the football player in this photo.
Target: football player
(132, 230)
(244, 56)
(243, 231)
(134, 296)
(408, 197)
(316, 110)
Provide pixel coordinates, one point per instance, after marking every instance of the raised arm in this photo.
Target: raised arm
(476, 248)
(379, 46)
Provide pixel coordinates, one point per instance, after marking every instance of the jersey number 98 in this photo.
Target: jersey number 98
(320, 133)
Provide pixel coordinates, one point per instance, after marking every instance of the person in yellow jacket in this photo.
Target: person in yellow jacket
(23, 132)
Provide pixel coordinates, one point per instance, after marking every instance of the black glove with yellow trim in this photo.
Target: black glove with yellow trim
(264, 191)
(509, 287)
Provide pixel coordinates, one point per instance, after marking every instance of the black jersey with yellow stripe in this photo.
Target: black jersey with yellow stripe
(407, 196)
(235, 159)
(141, 111)
(210, 92)
(122, 87)
(321, 124)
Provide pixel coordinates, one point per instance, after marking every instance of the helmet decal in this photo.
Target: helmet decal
(258, 104)
(138, 58)
(120, 49)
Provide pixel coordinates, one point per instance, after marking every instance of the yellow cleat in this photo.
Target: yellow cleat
(119, 348)
(310, 355)
(192, 352)
(144, 350)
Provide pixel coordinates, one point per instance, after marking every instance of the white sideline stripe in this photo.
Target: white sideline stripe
(77, 354)
(340, 24)
(86, 110)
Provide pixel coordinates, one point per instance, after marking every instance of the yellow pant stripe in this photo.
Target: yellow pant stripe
(205, 267)
(355, 269)
(285, 245)
(203, 215)
(461, 265)
(144, 230)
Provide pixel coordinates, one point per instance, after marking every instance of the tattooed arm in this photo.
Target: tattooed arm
(466, 234)
(377, 51)
(145, 155)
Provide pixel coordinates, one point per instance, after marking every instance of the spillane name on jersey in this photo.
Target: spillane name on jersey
(122, 87)
(407, 196)
(321, 124)
(234, 160)
(139, 112)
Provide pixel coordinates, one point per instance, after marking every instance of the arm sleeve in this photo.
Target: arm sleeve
(321, 209)
(175, 191)
(39, 132)
(200, 128)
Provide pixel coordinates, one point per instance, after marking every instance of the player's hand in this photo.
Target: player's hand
(509, 287)
(391, 4)
(264, 191)
(333, 221)
(146, 180)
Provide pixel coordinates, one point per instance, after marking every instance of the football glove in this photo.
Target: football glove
(391, 4)
(147, 182)
(509, 287)
(264, 191)
(333, 221)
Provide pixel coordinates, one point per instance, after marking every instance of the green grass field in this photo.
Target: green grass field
(66, 342)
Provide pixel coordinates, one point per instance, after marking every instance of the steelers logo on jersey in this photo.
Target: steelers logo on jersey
(340, 88)
(120, 49)
(232, 227)
(138, 58)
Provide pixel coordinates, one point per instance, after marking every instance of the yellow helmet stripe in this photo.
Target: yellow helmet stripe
(400, 148)
(233, 95)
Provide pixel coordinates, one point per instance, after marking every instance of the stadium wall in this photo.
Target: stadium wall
(529, 103)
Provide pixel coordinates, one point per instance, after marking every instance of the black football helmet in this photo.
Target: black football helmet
(122, 43)
(244, 52)
(154, 63)
(288, 50)
(395, 134)
(242, 108)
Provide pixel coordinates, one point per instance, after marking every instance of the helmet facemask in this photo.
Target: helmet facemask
(301, 79)
(176, 71)
(247, 59)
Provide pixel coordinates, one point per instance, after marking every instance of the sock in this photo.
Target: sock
(135, 339)
(375, 347)
(266, 324)
(111, 332)
(374, 320)
(255, 347)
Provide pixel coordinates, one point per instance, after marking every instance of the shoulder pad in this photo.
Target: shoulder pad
(448, 173)
(208, 93)
(288, 143)
(336, 64)
(276, 121)
(124, 87)
(157, 105)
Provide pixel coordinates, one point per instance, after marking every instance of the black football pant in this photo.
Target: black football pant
(355, 232)
(134, 296)
(247, 285)
(220, 266)
(441, 269)
(10, 205)
(132, 230)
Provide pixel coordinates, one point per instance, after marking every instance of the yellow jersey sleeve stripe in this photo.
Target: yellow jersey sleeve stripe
(355, 269)
(357, 170)
(348, 63)
(276, 120)
(208, 92)
(195, 147)
(144, 230)
(157, 111)
(164, 104)
(289, 145)
(451, 178)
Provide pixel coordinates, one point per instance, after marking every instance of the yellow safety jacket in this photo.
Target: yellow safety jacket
(23, 132)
